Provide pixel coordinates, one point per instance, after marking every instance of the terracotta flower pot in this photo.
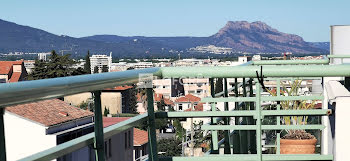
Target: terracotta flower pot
(289, 146)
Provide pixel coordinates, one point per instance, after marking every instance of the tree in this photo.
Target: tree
(96, 69)
(218, 85)
(87, 65)
(106, 111)
(57, 66)
(84, 105)
(104, 68)
(79, 71)
(170, 147)
(133, 100)
(161, 105)
(39, 71)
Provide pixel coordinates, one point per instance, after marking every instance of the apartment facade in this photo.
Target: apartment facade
(100, 61)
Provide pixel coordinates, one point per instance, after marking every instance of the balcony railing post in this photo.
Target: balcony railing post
(243, 133)
(251, 134)
(214, 133)
(152, 139)
(278, 119)
(236, 139)
(2, 136)
(227, 149)
(99, 139)
(258, 120)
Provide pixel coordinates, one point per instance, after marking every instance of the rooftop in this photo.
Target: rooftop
(188, 98)
(6, 66)
(49, 112)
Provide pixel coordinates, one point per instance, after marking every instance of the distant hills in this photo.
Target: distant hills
(242, 36)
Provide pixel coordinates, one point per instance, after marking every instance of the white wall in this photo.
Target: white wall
(24, 137)
(340, 38)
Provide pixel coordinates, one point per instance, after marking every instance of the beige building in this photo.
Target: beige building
(162, 86)
(111, 100)
(198, 87)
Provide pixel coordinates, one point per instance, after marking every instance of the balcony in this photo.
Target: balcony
(242, 139)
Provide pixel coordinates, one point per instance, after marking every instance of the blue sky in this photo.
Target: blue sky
(308, 18)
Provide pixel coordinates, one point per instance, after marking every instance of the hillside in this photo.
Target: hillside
(240, 35)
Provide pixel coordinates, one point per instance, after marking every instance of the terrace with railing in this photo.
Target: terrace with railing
(263, 95)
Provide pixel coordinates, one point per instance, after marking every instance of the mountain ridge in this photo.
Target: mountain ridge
(240, 35)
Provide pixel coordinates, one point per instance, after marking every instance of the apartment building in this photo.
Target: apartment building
(100, 61)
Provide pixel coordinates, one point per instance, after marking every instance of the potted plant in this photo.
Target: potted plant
(295, 141)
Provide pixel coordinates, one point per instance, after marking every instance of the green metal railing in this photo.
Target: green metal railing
(29, 91)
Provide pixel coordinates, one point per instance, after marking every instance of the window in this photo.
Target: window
(180, 107)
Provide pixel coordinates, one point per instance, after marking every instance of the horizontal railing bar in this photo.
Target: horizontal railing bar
(250, 71)
(251, 157)
(204, 114)
(83, 141)
(263, 127)
(290, 78)
(320, 112)
(264, 98)
(292, 127)
(290, 98)
(229, 99)
(229, 127)
(290, 62)
(338, 56)
(29, 91)
(242, 113)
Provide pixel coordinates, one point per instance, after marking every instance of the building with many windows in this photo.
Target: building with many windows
(100, 61)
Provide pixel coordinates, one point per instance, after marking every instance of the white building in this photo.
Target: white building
(142, 65)
(46, 124)
(100, 61)
(43, 56)
(29, 65)
(244, 59)
(52, 122)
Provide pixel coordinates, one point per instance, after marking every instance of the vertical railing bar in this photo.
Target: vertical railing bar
(258, 120)
(243, 133)
(152, 139)
(278, 93)
(236, 139)
(214, 133)
(251, 134)
(98, 126)
(227, 148)
(2, 135)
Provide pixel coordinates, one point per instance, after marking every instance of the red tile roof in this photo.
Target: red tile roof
(188, 98)
(108, 121)
(15, 77)
(159, 97)
(6, 66)
(140, 137)
(49, 112)
(198, 107)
